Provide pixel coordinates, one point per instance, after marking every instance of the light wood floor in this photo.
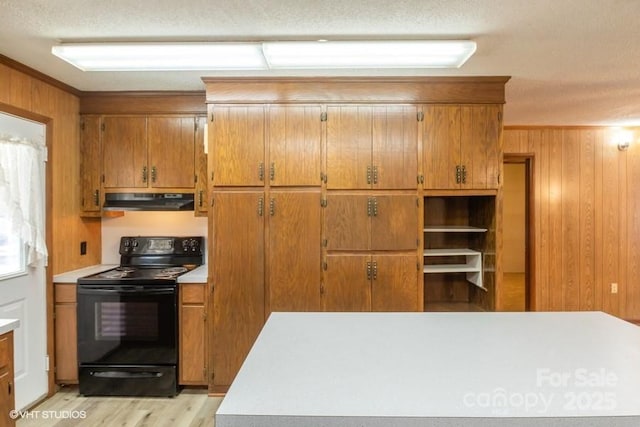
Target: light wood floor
(191, 408)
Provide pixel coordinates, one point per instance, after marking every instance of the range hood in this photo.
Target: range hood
(148, 202)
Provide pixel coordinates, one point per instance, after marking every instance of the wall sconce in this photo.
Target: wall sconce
(623, 139)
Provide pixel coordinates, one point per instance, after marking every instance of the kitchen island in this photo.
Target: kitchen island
(438, 369)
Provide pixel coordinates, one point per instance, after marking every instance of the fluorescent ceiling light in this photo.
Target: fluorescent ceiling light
(267, 55)
(369, 54)
(162, 56)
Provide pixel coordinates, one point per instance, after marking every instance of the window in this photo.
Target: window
(11, 251)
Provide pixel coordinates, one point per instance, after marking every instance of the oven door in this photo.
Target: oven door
(127, 324)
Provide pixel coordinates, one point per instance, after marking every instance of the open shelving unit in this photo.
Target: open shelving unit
(473, 265)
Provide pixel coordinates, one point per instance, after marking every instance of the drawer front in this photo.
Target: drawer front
(192, 293)
(65, 292)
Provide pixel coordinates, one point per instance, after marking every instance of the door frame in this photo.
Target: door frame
(47, 122)
(528, 159)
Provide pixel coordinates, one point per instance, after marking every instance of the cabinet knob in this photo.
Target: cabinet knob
(154, 174)
(96, 197)
(201, 197)
(260, 206)
(464, 174)
(144, 174)
(368, 270)
(375, 174)
(272, 206)
(368, 174)
(261, 171)
(375, 270)
(272, 171)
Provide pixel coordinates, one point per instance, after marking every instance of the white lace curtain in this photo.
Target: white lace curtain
(22, 192)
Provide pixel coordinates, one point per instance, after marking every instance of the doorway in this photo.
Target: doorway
(23, 288)
(517, 289)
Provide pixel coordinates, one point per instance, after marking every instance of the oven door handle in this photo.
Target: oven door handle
(121, 374)
(114, 290)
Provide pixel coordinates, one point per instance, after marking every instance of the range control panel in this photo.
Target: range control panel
(140, 245)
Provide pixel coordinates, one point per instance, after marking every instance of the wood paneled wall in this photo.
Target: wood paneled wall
(586, 218)
(23, 95)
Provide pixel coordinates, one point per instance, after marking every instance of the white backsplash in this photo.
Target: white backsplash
(136, 223)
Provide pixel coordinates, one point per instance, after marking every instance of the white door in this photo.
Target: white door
(22, 293)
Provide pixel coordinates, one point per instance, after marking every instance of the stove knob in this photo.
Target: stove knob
(134, 243)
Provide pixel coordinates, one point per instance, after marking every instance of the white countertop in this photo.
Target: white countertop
(197, 275)
(7, 325)
(73, 276)
(447, 369)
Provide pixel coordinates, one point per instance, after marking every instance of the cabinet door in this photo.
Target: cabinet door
(349, 147)
(395, 147)
(6, 399)
(237, 267)
(347, 283)
(192, 334)
(125, 152)
(441, 146)
(201, 169)
(394, 285)
(295, 134)
(481, 127)
(294, 251)
(90, 162)
(394, 224)
(66, 343)
(236, 144)
(171, 151)
(347, 219)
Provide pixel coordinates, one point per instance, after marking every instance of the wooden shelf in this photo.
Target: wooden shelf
(450, 252)
(453, 229)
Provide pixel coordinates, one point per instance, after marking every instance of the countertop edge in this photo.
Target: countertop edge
(8, 325)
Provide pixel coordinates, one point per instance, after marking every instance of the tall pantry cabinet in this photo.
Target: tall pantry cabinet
(319, 191)
(265, 222)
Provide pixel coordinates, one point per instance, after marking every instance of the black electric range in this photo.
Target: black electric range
(128, 318)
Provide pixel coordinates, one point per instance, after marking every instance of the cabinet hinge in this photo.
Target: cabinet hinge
(211, 118)
(195, 178)
(323, 116)
(420, 116)
(498, 177)
(324, 265)
(195, 126)
(323, 203)
(420, 179)
(418, 266)
(82, 125)
(102, 178)
(321, 288)
(82, 202)
(204, 372)
(323, 177)
(102, 127)
(417, 202)
(418, 242)
(500, 116)
(325, 242)
(204, 317)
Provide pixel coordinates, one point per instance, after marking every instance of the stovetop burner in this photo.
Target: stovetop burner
(151, 260)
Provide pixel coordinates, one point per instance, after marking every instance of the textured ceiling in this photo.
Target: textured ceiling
(572, 62)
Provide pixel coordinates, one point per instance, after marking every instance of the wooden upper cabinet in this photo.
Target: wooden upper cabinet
(395, 147)
(236, 145)
(461, 146)
(125, 152)
(480, 145)
(295, 136)
(90, 163)
(149, 151)
(349, 147)
(372, 147)
(202, 182)
(347, 222)
(294, 250)
(171, 151)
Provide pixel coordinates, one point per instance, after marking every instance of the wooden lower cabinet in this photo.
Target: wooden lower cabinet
(362, 282)
(236, 265)
(372, 221)
(66, 333)
(7, 398)
(294, 251)
(193, 343)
